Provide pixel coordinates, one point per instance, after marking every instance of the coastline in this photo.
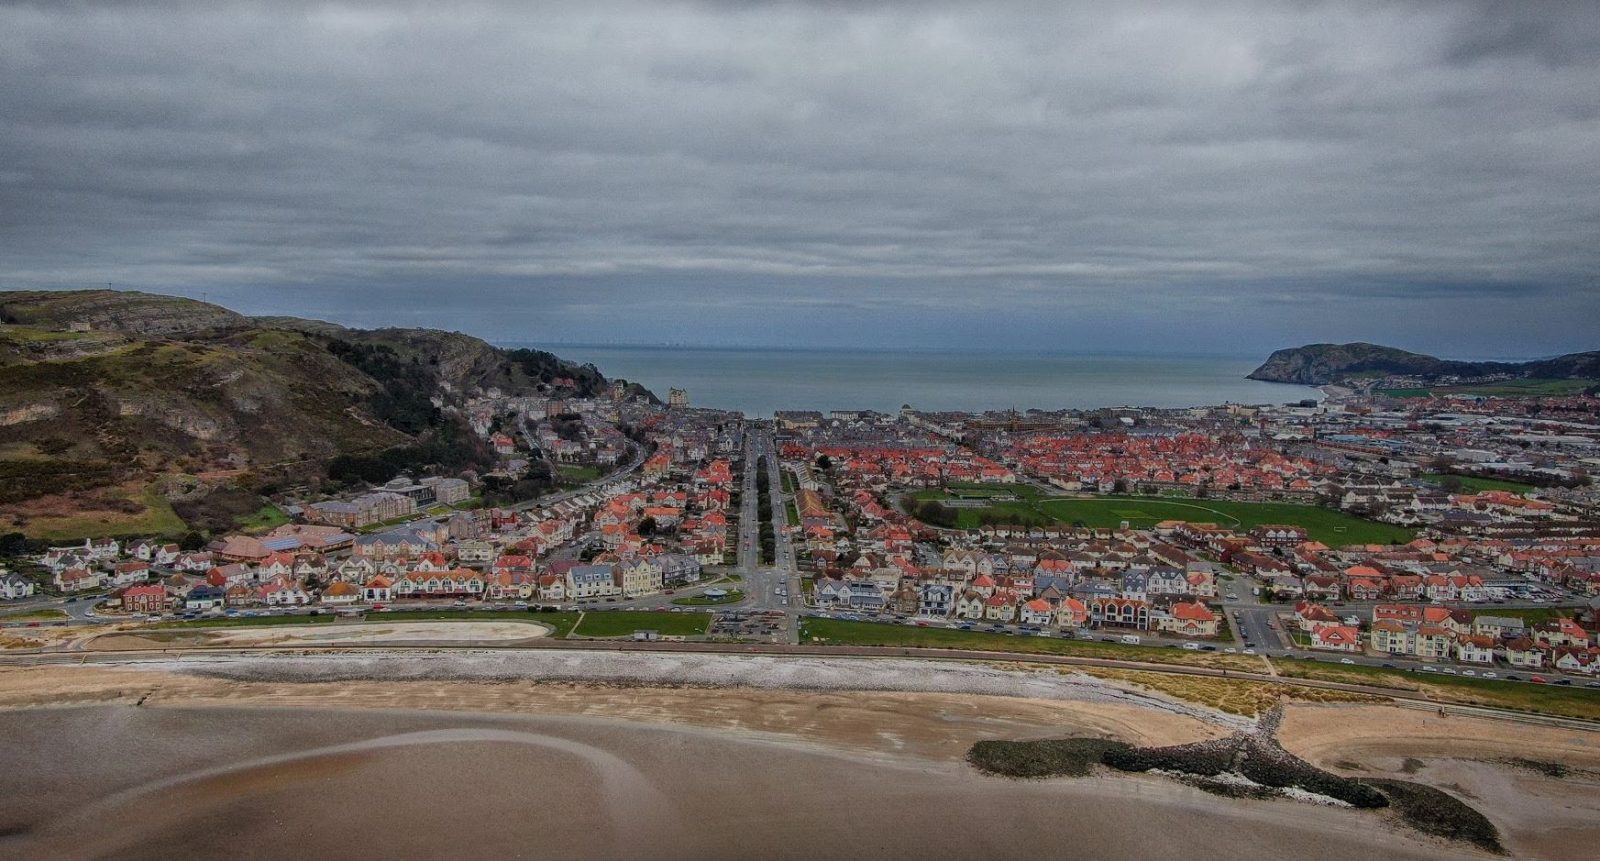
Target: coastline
(760, 381)
(807, 739)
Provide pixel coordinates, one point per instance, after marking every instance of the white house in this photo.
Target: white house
(14, 586)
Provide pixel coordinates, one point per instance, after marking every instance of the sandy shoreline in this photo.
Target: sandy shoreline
(886, 714)
(269, 783)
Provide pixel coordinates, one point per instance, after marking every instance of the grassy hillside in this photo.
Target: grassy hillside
(103, 393)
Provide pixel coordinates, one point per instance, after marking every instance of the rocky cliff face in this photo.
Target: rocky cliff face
(99, 388)
(1321, 364)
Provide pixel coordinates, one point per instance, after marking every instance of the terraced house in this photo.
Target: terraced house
(454, 583)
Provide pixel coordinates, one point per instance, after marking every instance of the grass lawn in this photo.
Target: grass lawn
(968, 490)
(1521, 696)
(622, 623)
(580, 474)
(841, 632)
(1334, 528)
(1476, 484)
(967, 518)
(792, 513)
(153, 518)
(1403, 393)
(1533, 387)
(703, 601)
(559, 623)
(1531, 615)
(266, 517)
(42, 614)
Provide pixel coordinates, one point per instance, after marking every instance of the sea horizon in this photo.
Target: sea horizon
(761, 380)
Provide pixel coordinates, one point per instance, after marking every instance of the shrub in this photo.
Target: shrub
(1062, 757)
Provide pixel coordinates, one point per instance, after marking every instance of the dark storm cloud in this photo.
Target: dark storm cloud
(1220, 175)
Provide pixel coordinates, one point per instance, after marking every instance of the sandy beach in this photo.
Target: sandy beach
(204, 759)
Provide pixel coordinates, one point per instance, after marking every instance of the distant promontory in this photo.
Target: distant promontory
(1322, 364)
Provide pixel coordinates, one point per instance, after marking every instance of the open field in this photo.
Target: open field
(1531, 615)
(579, 474)
(1533, 387)
(266, 517)
(1476, 484)
(622, 623)
(1334, 528)
(134, 509)
(841, 632)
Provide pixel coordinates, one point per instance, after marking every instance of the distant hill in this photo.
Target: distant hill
(103, 392)
(1321, 364)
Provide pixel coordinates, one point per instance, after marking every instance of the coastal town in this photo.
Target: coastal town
(1444, 535)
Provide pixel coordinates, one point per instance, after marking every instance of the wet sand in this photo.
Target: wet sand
(136, 783)
(1538, 816)
(476, 756)
(925, 724)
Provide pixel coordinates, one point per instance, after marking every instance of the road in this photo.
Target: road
(762, 583)
(639, 455)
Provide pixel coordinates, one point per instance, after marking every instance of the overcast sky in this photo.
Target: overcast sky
(1165, 177)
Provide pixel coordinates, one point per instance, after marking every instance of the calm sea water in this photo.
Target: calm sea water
(760, 381)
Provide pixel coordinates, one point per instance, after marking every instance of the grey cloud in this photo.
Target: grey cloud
(1093, 167)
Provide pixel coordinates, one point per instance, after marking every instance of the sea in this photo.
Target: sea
(759, 381)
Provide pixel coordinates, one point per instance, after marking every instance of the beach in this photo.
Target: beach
(124, 762)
